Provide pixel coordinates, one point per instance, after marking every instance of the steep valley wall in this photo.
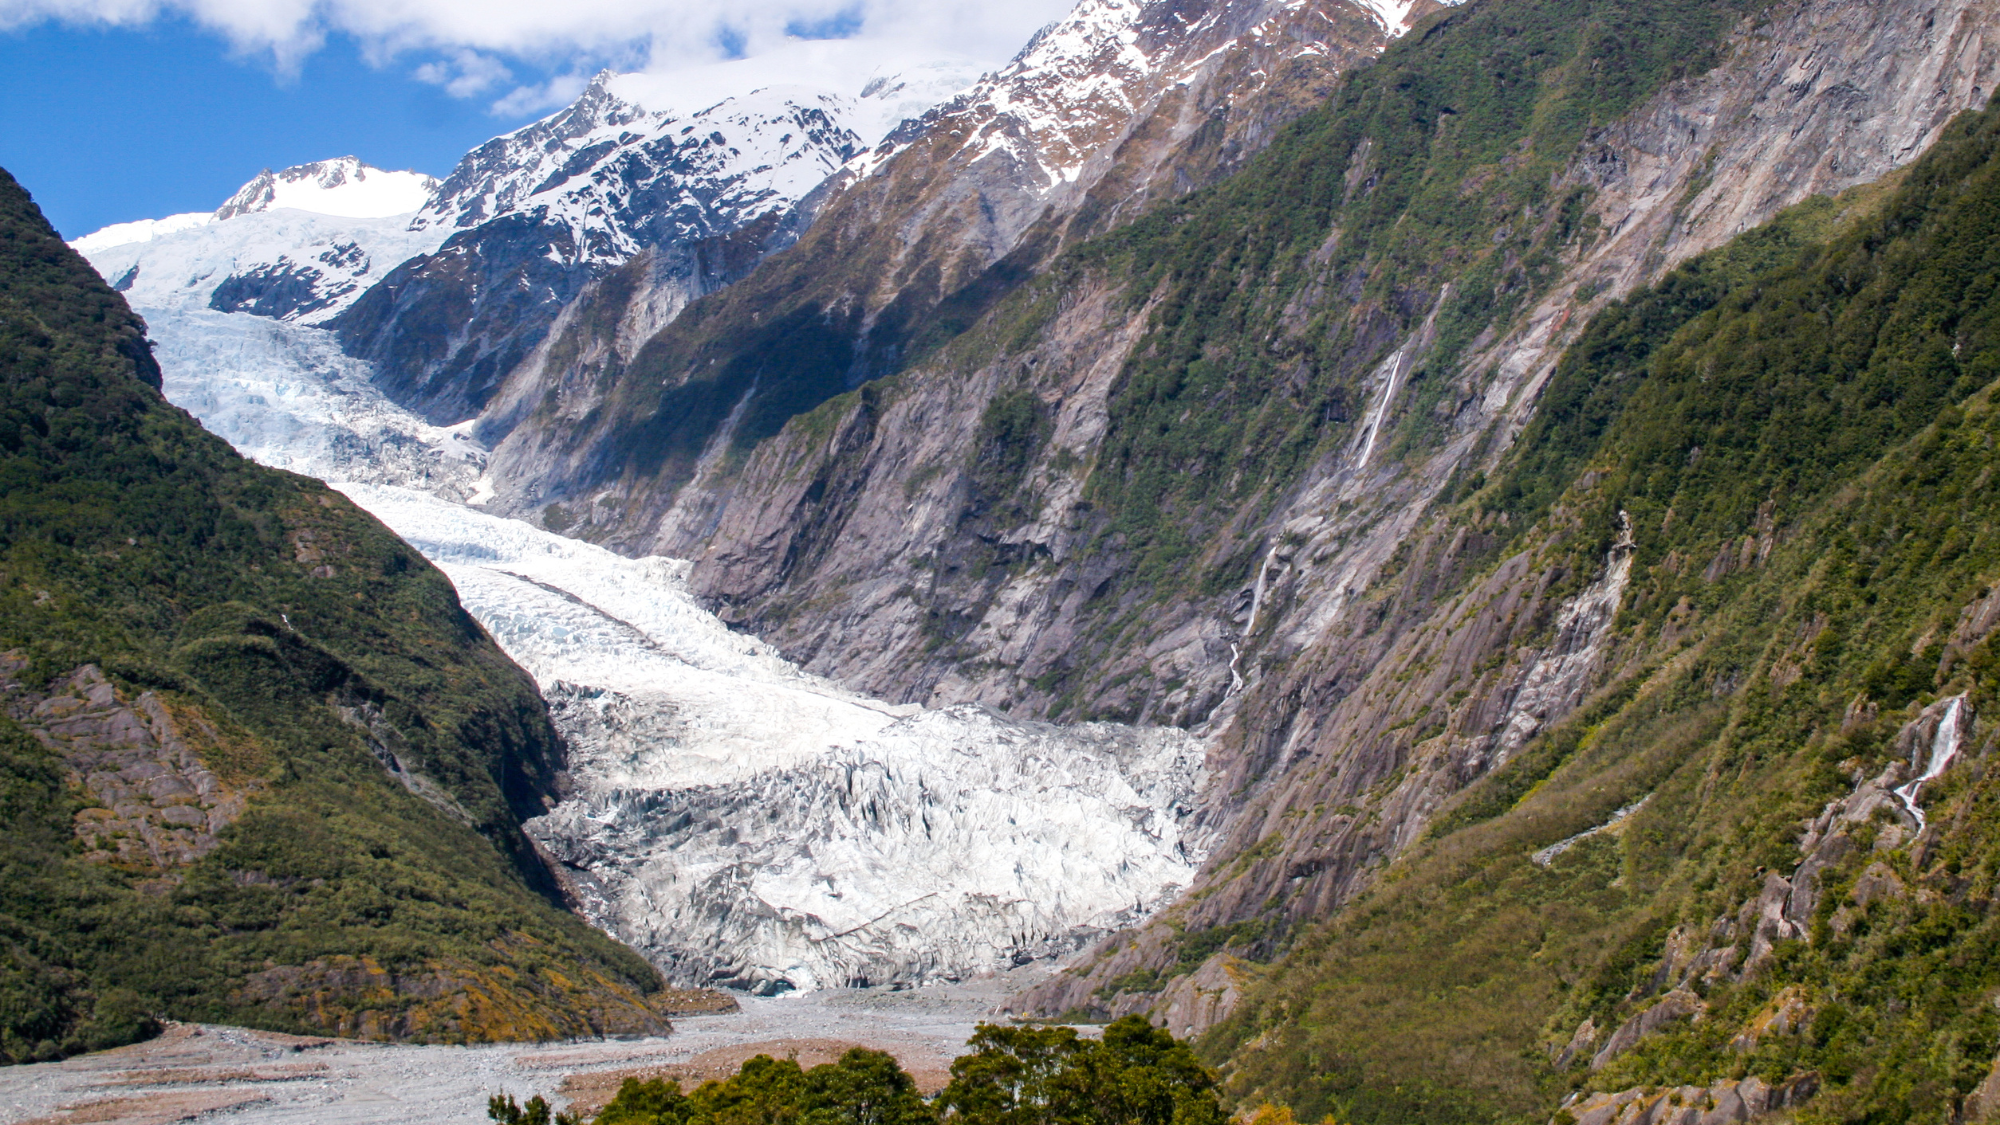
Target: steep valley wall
(1162, 493)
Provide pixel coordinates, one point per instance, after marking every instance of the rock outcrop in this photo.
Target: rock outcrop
(154, 802)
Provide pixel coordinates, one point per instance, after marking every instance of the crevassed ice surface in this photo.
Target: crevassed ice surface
(286, 396)
(743, 823)
(737, 820)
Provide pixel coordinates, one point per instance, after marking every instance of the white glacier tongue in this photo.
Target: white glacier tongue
(743, 823)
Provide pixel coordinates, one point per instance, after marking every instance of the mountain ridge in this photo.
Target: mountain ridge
(259, 766)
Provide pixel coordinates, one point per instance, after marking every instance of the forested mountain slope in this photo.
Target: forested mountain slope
(256, 763)
(1373, 687)
(1756, 867)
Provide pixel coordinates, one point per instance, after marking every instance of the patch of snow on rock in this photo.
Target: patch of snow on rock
(343, 186)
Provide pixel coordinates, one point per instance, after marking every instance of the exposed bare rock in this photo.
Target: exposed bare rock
(1201, 998)
(1786, 1014)
(1580, 1042)
(1720, 1104)
(1983, 1103)
(154, 802)
(1674, 1006)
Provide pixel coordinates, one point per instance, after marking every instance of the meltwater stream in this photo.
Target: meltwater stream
(738, 821)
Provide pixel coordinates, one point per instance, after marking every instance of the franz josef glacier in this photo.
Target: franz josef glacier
(745, 824)
(740, 822)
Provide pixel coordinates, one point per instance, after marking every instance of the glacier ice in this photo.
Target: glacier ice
(743, 823)
(286, 396)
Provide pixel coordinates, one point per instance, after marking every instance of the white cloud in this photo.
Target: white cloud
(541, 97)
(464, 74)
(472, 36)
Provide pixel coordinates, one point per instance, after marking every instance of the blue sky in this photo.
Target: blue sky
(110, 125)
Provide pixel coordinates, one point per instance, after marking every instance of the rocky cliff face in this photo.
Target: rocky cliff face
(1138, 486)
(1116, 105)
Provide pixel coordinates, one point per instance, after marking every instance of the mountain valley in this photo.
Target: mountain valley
(1443, 553)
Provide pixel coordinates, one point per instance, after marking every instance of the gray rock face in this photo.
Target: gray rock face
(1722, 1104)
(1119, 104)
(1677, 1005)
(858, 545)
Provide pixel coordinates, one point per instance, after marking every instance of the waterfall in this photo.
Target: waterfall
(1944, 748)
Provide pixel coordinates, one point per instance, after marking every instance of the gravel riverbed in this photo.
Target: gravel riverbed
(234, 1075)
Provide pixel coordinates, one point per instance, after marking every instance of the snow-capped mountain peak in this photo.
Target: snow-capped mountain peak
(343, 187)
(299, 244)
(620, 174)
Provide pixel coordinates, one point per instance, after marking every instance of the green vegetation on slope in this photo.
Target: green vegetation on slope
(296, 649)
(1802, 429)
(1431, 168)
